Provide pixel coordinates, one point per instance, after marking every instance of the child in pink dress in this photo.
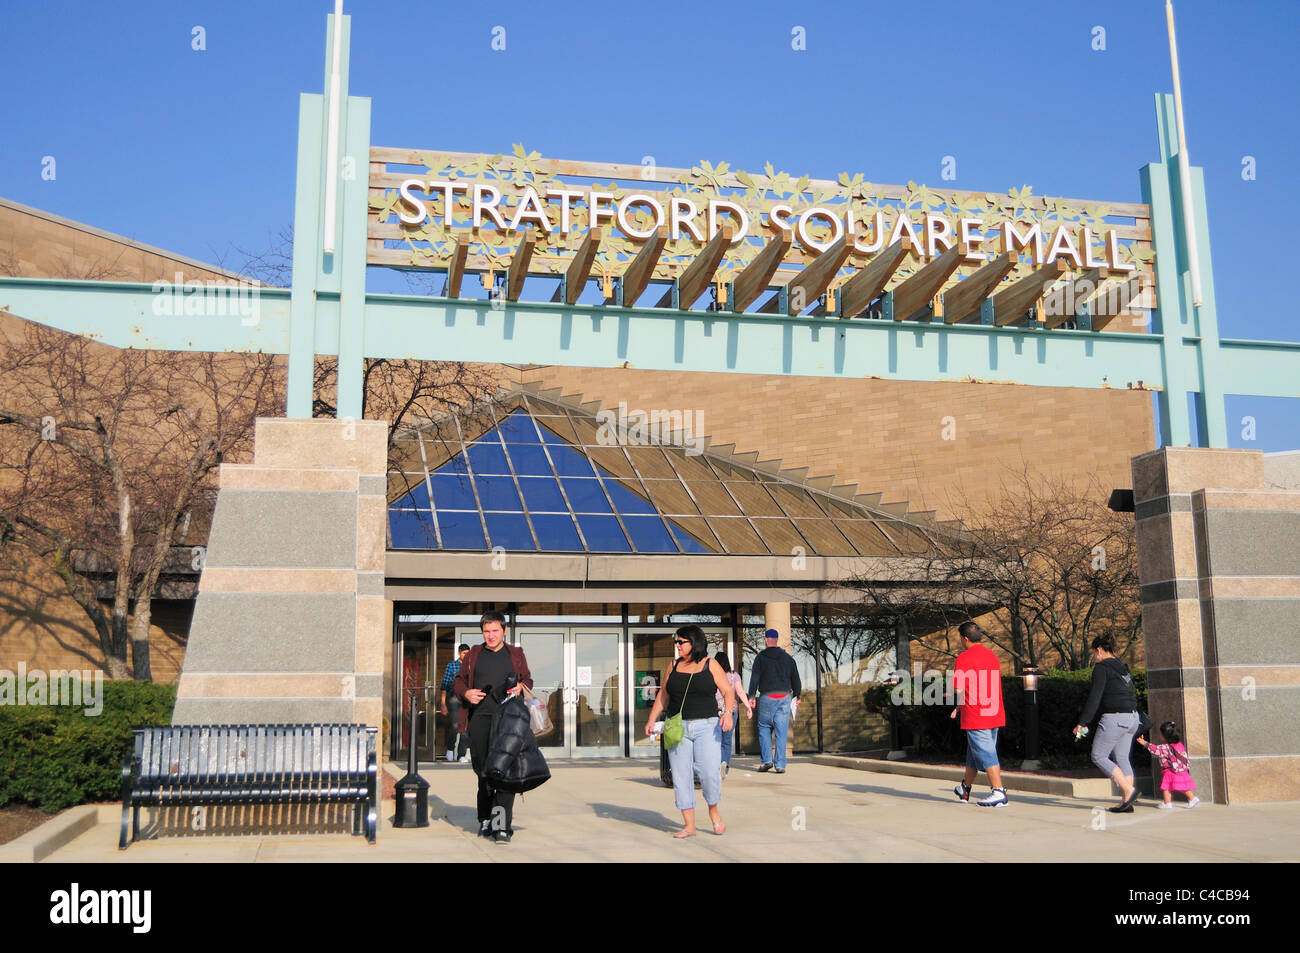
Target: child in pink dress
(1177, 774)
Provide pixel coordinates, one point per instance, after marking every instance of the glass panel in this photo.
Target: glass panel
(556, 431)
(754, 499)
(908, 538)
(689, 466)
(686, 531)
(603, 534)
(738, 536)
(518, 428)
(651, 654)
(412, 529)
(611, 460)
(542, 495)
(596, 657)
(556, 533)
(545, 654)
(649, 534)
(457, 464)
(713, 499)
(586, 496)
(795, 502)
(780, 535)
(803, 729)
(451, 491)
(650, 463)
(416, 656)
(498, 493)
(627, 501)
(569, 462)
(825, 539)
(407, 491)
(529, 458)
(671, 497)
(509, 530)
(865, 535)
(487, 458)
(461, 530)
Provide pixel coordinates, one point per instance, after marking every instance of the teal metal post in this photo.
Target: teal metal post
(329, 287)
(1197, 369)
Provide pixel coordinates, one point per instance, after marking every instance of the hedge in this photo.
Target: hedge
(54, 757)
(1061, 695)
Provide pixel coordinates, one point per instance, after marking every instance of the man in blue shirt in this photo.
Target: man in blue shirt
(452, 707)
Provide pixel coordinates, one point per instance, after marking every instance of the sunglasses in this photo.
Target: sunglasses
(682, 641)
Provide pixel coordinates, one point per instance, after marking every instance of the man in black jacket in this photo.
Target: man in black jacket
(481, 685)
(774, 681)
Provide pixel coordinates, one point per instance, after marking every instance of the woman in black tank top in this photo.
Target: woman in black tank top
(690, 685)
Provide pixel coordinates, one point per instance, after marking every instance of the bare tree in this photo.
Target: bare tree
(1045, 558)
(105, 454)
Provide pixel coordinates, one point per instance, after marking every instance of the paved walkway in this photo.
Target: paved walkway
(619, 811)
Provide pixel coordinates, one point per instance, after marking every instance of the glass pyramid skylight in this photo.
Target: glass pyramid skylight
(540, 476)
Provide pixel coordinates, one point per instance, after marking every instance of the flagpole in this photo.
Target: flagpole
(1184, 166)
(332, 142)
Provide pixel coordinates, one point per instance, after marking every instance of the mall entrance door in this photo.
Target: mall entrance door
(578, 675)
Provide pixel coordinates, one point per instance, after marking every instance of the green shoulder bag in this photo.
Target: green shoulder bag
(674, 729)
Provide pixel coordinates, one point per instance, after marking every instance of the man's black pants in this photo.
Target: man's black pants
(489, 800)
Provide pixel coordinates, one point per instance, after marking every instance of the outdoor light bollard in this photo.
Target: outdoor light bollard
(1031, 762)
(412, 790)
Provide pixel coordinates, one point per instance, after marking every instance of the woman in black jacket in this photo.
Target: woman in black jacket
(1113, 696)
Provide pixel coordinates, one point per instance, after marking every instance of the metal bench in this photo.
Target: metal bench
(181, 765)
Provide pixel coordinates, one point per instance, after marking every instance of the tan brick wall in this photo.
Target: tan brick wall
(33, 246)
(44, 628)
(887, 435)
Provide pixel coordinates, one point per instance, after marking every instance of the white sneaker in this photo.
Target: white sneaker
(451, 755)
(465, 759)
(1193, 802)
(1165, 805)
(997, 798)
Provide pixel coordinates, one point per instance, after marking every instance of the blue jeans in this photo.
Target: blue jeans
(981, 748)
(727, 738)
(699, 752)
(773, 720)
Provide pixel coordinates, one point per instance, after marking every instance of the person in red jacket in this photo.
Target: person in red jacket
(481, 685)
(978, 678)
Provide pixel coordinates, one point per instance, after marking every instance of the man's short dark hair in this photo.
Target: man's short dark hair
(971, 632)
(463, 647)
(492, 615)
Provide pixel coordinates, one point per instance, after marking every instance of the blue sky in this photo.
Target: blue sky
(194, 151)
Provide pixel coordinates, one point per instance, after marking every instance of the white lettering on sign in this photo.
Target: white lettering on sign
(930, 233)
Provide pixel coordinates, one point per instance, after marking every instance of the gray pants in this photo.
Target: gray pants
(1114, 742)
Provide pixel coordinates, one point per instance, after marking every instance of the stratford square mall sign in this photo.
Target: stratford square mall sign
(739, 233)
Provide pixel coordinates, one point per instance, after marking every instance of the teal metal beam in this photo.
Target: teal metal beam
(401, 326)
(159, 316)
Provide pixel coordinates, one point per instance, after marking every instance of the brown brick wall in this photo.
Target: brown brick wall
(887, 435)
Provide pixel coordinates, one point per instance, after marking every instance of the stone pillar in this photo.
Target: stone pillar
(290, 624)
(1219, 566)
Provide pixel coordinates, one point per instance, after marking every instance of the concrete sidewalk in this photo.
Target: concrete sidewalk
(619, 811)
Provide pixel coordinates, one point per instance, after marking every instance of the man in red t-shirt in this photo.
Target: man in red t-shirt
(978, 681)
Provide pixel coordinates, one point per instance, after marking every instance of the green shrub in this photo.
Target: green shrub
(54, 757)
(1061, 696)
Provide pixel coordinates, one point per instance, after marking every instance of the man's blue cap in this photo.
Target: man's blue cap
(771, 634)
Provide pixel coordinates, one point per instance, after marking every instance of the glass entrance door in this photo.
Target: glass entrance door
(577, 674)
(649, 653)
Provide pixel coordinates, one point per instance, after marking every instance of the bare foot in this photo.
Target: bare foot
(719, 828)
(687, 832)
